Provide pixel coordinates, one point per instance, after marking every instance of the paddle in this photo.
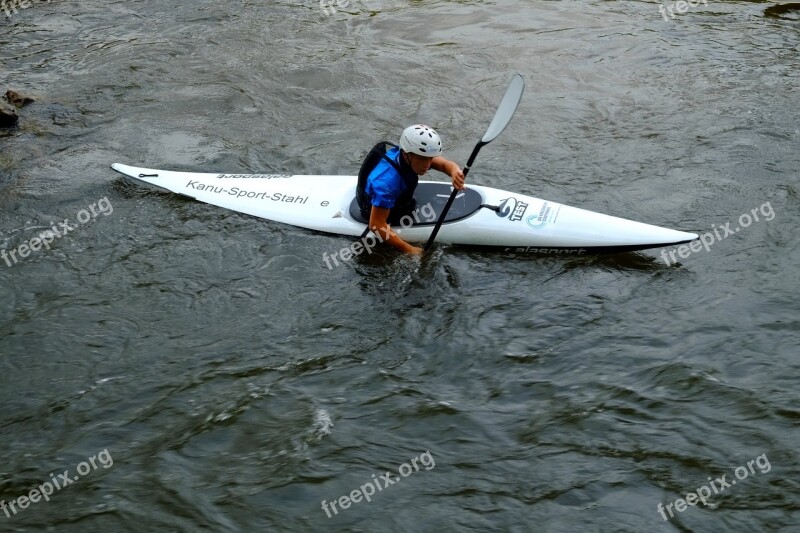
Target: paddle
(508, 105)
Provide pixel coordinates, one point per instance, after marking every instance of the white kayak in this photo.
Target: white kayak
(480, 216)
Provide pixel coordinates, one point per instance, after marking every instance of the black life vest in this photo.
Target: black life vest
(406, 200)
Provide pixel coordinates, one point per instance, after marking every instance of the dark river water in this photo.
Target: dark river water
(198, 369)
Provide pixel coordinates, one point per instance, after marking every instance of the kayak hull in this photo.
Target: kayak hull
(507, 221)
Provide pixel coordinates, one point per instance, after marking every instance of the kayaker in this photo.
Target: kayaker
(388, 178)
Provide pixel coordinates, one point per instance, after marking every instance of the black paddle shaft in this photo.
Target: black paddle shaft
(506, 109)
(452, 197)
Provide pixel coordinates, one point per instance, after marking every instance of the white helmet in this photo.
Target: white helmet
(421, 140)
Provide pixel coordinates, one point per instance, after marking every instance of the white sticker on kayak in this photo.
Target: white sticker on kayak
(546, 215)
(513, 209)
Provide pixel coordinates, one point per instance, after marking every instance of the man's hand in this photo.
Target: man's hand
(451, 169)
(457, 176)
(379, 225)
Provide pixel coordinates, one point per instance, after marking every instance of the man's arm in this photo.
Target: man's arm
(451, 169)
(378, 223)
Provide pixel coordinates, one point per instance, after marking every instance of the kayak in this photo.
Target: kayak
(479, 217)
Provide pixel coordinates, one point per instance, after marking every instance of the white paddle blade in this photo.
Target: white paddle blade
(506, 109)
